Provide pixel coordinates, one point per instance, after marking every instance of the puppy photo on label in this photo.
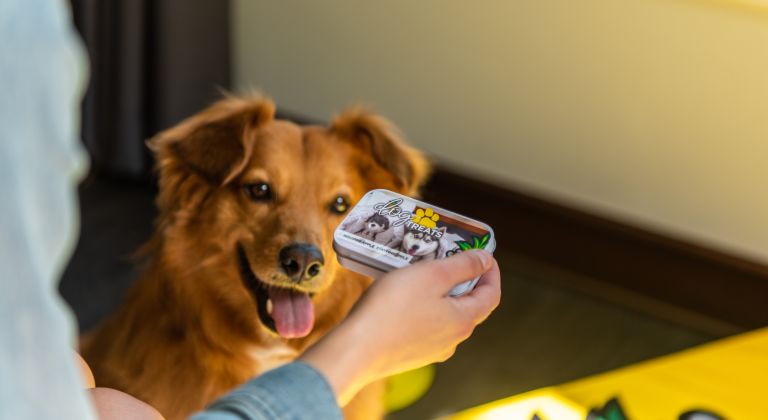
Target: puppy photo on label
(422, 246)
(374, 225)
(366, 223)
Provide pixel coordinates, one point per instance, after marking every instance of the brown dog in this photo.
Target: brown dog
(241, 275)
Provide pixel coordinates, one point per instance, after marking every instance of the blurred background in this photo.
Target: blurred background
(617, 147)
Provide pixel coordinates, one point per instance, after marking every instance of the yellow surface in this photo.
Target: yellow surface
(545, 402)
(727, 377)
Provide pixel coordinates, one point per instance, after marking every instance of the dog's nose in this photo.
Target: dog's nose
(301, 262)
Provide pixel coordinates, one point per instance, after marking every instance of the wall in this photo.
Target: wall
(654, 112)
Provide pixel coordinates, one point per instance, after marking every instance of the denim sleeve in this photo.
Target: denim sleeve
(295, 391)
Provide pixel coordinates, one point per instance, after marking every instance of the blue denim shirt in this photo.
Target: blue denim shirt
(42, 74)
(294, 391)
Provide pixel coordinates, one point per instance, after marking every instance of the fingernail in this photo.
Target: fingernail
(484, 256)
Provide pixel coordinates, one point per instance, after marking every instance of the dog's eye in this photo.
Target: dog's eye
(340, 205)
(260, 191)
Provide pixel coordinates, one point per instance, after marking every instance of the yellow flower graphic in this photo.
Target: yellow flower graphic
(426, 218)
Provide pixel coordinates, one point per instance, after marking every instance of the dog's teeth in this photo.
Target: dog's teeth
(269, 306)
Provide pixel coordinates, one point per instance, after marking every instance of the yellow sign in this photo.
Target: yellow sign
(722, 380)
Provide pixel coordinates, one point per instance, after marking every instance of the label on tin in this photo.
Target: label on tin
(394, 231)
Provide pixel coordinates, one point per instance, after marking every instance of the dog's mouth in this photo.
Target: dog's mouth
(287, 312)
(412, 250)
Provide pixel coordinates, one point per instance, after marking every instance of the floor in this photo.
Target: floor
(542, 334)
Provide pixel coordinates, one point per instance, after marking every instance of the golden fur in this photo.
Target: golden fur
(188, 331)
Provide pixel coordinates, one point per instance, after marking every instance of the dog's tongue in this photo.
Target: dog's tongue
(292, 311)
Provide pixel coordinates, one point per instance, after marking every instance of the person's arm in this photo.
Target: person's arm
(295, 391)
(42, 73)
(405, 320)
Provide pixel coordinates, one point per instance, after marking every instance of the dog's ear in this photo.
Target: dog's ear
(382, 140)
(217, 143)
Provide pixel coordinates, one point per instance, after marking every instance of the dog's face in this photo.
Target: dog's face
(377, 224)
(374, 227)
(251, 203)
(418, 244)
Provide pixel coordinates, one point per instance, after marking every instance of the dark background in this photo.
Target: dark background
(152, 64)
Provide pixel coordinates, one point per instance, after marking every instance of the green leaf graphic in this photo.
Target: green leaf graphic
(611, 411)
(464, 245)
(484, 241)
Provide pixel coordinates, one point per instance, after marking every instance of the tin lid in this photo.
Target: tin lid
(386, 230)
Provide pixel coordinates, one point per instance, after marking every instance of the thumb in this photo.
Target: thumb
(480, 302)
(455, 269)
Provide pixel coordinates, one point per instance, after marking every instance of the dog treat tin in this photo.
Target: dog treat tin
(386, 231)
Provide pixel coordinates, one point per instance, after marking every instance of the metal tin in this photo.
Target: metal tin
(386, 230)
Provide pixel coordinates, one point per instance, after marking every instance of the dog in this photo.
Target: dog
(374, 225)
(422, 246)
(240, 275)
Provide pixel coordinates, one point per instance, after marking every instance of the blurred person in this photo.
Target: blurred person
(42, 74)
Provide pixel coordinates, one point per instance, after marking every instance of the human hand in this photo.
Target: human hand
(113, 404)
(406, 320)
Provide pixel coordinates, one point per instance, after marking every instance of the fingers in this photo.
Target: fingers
(480, 302)
(85, 371)
(456, 269)
(113, 404)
